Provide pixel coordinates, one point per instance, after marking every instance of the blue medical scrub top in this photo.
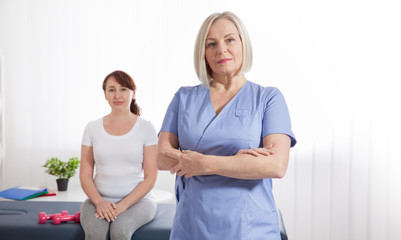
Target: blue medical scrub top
(219, 207)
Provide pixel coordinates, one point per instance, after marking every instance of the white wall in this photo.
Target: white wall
(2, 117)
(337, 63)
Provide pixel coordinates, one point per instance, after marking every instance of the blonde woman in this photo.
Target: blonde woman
(225, 139)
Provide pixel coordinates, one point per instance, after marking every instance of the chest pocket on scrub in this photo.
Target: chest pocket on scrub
(243, 115)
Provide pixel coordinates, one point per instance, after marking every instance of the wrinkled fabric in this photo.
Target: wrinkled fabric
(214, 206)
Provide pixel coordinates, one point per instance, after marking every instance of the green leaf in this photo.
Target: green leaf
(63, 170)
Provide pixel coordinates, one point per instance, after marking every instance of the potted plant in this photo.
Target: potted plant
(63, 170)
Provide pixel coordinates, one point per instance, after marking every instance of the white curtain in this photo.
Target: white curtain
(2, 120)
(336, 62)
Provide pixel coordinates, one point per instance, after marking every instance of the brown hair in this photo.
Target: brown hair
(126, 81)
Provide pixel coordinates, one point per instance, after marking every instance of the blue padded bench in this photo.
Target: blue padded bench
(19, 220)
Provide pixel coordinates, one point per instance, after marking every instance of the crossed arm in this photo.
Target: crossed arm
(110, 210)
(271, 161)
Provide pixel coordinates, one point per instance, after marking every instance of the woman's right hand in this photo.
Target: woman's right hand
(106, 210)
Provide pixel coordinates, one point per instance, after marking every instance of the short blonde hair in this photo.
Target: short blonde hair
(203, 71)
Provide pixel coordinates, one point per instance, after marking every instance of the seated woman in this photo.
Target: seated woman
(122, 146)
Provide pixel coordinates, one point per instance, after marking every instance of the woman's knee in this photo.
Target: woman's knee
(96, 235)
(121, 234)
(135, 217)
(94, 228)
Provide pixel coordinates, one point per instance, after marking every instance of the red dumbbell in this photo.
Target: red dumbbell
(58, 218)
(43, 217)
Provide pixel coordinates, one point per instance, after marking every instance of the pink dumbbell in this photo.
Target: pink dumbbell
(43, 217)
(58, 218)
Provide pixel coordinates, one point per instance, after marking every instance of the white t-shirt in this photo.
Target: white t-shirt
(118, 159)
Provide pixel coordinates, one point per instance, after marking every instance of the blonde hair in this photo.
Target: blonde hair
(203, 71)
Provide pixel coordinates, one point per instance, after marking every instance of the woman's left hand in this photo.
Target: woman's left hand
(190, 163)
(257, 151)
(119, 208)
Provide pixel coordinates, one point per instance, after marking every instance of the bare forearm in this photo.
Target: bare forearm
(86, 175)
(271, 161)
(164, 162)
(167, 147)
(246, 166)
(90, 190)
(139, 192)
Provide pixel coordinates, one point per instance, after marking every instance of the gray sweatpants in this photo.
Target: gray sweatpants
(123, 227)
